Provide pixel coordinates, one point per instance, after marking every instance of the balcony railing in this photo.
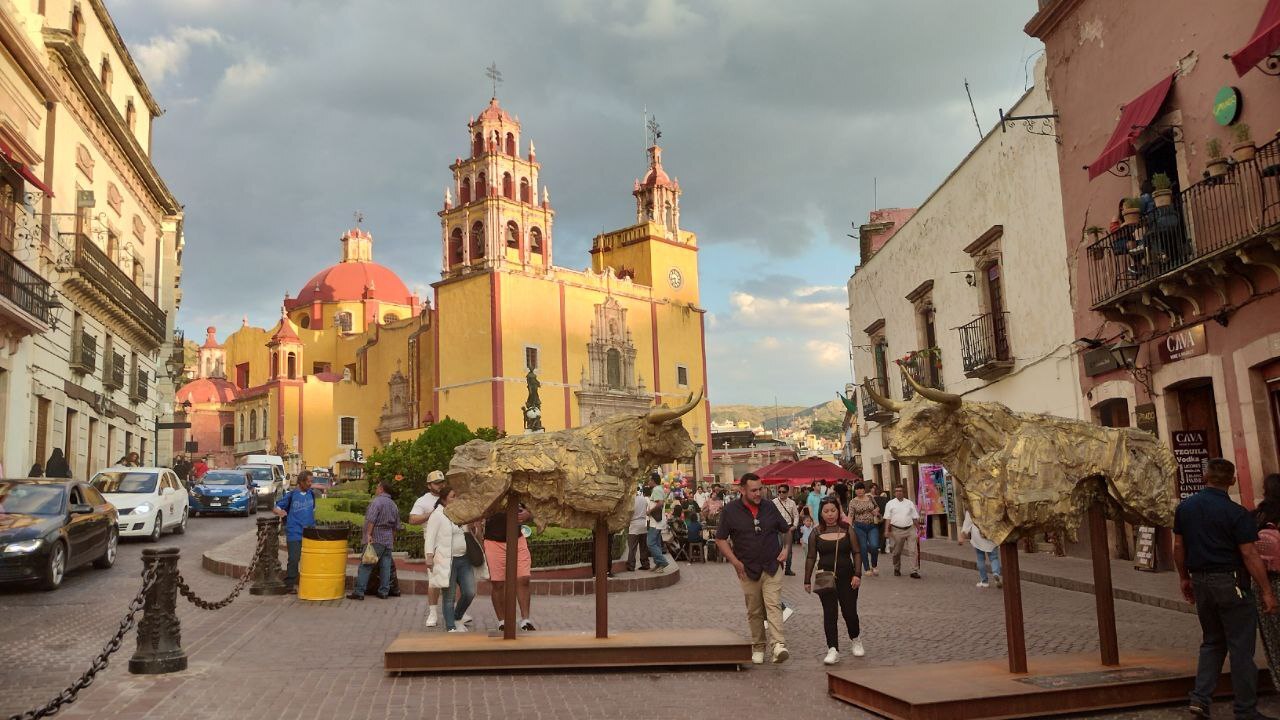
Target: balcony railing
(116, 291)
(138, 390)
(984, 346)
(21, 286)
(84, 353)
(114, 377)
(1207, 218)
(870, 409)
(925, 366)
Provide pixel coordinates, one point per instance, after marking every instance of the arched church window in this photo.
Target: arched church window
(455, 246)
(275, 365)
(513, 235)
(477, 240)
(389, 318)
(264, 422)
(477, 145)
(508, 189)
(613, 369)
(305, 321)
(242, 426)
(524, 190)
(293, 366)
(670, 216)
(482, 186)
(648, 211)
(511, 144)
(535, 240)
(464, 195)
(253, 425)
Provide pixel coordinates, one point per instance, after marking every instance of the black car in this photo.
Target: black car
(49, 526)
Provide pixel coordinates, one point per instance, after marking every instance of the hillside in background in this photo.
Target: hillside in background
(764, 415)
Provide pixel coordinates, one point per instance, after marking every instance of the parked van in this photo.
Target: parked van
(275, 461)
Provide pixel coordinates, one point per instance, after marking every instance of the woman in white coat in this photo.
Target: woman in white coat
(448, 568)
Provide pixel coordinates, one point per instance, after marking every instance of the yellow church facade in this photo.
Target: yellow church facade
(357, 361)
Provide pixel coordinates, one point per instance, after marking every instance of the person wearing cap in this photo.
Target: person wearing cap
(418, 515)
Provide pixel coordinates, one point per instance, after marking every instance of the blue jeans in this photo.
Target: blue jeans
(461, 591)
(655, 547)
(291, 570)
(384, 571)
(1229, 623)
(869, 538)
(993, 556)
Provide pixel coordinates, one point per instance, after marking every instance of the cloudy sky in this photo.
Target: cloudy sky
(779, 118)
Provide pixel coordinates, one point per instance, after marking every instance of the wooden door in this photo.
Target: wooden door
(1273, 394)
(1199, 412)
(995, 300)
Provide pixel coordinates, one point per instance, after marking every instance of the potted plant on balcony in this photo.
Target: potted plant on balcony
(1094, 232)
(1244, 149)
(1217, 164)
(1132, 210)
(1163, 193)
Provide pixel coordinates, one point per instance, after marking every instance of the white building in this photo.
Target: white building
(87, 215)
(972, 291)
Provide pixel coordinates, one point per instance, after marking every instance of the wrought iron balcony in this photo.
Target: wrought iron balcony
(1212, 220)
(925, 366)
(96, 280)
(25, 298)
(114, 376)
(872, 411)
(984, 346)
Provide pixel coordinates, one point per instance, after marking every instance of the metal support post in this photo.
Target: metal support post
(159, 648)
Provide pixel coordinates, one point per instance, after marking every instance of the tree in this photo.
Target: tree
(414, 459)
(826, 428)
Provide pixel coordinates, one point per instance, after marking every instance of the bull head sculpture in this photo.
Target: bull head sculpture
(1026, 473)
(569, 477)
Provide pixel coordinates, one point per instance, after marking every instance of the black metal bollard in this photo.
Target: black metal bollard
(159, 631)
(268, 578)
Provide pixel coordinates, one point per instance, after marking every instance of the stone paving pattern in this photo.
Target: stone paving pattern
(282, 658)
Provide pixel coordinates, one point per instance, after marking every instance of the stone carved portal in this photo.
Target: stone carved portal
(609, 385)
(395, 413)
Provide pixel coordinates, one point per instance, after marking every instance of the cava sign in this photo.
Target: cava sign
(1185, 343)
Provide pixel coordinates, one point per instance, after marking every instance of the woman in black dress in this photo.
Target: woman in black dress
(833, 547)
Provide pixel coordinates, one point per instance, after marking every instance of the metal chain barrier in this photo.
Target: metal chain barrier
(266, 533)
(100, 662)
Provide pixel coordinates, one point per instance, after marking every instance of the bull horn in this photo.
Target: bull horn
(933, 394)
(882, 401)
(660, 415)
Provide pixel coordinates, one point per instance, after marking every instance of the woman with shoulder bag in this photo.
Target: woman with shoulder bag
(833, 548)
(448, 566)
(1268, 517)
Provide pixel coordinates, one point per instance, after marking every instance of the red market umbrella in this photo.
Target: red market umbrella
(799, 474)
(772, 468)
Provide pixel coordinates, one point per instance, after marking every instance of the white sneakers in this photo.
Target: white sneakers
(982, 584)
(780, 654)
(466, 618)
(459, 629)
(432, 619)
(757, 657)
(858, 650)
(833, 657)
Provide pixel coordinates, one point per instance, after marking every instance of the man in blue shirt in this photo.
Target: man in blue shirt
(298, 508)
(1213, 549)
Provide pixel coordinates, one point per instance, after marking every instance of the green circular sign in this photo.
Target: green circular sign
(1226, 105)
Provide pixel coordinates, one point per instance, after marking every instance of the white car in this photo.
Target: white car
(149, 500)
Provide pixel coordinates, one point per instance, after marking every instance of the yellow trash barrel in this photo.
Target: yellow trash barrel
(322, 571)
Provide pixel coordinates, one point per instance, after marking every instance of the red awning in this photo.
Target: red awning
(1264, 41)
(1133, 119)
(802, 473)
(23, 170)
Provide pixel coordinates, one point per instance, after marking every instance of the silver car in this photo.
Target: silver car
(266, 482)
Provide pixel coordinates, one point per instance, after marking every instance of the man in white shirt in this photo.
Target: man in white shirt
(421, 512)
(637, 533)
(701, 497)
(903, 517)
(787, 507)
(657, 521)
(985, 550)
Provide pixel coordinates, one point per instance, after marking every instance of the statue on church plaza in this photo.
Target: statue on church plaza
(1029, 473)
(569, 478)
(533, 405)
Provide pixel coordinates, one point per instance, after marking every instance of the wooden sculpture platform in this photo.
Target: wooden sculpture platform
(1054, 684)
(450, 652)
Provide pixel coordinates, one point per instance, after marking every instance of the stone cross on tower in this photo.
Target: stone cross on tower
(655, 131)
(495, 75)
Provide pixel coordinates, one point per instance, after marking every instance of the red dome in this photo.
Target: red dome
(353, 281)
(207, 390)
(495, 112)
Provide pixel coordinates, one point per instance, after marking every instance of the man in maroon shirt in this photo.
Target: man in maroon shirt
(755, 538)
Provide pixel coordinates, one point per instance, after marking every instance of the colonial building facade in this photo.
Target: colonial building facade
(357, 361)
(92, 241)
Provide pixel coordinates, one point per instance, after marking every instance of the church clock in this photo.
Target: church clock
(675, 278)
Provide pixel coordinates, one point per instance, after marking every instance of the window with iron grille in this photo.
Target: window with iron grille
(116, 372)
(530, 357)
(346, 431)
(682, 376)
(84, 352)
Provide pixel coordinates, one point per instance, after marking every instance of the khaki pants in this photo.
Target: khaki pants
(764, 599)
(904, 540)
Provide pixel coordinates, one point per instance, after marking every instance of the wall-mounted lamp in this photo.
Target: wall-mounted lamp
(969, 276)
(1125, 353)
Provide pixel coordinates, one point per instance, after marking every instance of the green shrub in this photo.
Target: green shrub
(1133, 203)
(1161, 181)
(358, 505)
(1213, 148)
(1241, 133)
(349, 490)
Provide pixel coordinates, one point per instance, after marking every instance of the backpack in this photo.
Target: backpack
(1269, 548)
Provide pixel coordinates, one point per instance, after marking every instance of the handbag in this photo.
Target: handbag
(825, 580)
(369, 556)
(475, 553)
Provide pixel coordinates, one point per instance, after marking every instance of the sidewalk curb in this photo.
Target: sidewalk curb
(217, 561)
(1068, 584)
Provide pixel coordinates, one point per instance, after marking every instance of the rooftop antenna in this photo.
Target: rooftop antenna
(495, 75)
(972, 110)
(875, 193)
